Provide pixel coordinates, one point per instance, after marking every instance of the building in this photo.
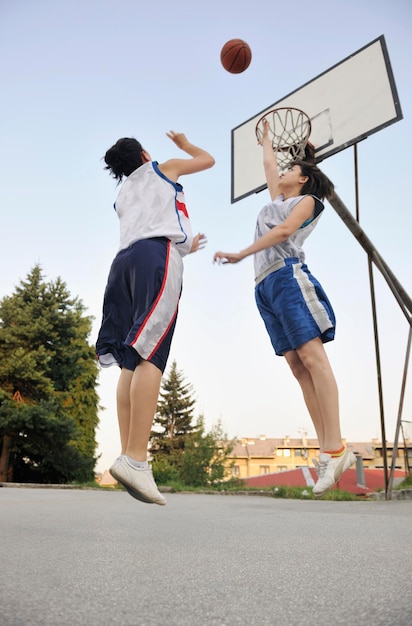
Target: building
(263, 455)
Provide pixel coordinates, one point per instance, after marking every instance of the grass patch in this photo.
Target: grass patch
(304, 493)
(337, 494)
(237, 487)
(406, 483)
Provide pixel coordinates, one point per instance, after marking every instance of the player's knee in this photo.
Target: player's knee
(298, 368)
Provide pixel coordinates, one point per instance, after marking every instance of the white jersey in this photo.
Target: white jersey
(272, 215)
(150, 205)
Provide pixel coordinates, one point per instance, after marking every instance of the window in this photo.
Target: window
(264, 469)
(236, 470)
(282, 451)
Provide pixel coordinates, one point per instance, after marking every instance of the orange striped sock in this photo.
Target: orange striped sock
(335, 453)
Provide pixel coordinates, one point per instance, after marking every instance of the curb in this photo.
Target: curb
(397, 494)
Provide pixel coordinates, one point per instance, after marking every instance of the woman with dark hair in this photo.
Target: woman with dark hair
(143, 291)
(295, 309)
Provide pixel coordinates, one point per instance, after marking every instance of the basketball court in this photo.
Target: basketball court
(88, 558)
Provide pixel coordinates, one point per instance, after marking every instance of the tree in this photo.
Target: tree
(48, 377)
(174, 416)
(182, 450)
(203, 461)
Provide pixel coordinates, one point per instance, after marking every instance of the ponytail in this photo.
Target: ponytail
(318, 184)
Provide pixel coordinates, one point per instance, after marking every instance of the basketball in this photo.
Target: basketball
(236, 56)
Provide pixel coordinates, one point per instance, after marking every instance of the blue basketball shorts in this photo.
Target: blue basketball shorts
(140, 305)
(294, 307)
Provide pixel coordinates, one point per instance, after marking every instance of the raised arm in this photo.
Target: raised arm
(269, 162)
(200, 159)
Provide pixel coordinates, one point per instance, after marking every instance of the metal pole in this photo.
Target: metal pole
(355, 153)
(376, 335)
(398, 290)
(399, 421)
(406, 447)
(379, 374)
(360, 472)
(402, 297)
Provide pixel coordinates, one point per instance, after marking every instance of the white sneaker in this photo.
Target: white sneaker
(316, 465)
(331, 469)
(138, 482)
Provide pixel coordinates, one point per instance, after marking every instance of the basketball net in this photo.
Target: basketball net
(289, 131)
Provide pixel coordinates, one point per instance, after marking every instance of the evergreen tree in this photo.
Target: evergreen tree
(174, 416)
(48, 376)
(182, 450)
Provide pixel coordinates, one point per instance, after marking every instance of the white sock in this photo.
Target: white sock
(139, 464)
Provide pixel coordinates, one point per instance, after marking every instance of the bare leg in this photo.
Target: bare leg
(322, 397)
(123, 406)
(304, 379)
(137, 396)
(144, 394)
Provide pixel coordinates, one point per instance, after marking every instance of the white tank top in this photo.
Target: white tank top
(274, 214)
(151, 205)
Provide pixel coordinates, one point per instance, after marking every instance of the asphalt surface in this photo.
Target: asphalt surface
(87, 557)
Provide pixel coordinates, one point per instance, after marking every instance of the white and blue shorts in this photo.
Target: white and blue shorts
(294, 307)
(140, 305)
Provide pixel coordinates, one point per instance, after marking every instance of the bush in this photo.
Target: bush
(406, 483)
(164, 471)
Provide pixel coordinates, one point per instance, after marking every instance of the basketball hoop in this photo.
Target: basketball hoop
(289, 131)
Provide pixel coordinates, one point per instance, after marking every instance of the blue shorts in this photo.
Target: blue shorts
(294, 307)
(140, 305)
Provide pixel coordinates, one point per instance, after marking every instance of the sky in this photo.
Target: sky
(78, 74)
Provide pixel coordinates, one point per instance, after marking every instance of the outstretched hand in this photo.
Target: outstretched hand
(222, 258)
(199, 242)
(179, 139)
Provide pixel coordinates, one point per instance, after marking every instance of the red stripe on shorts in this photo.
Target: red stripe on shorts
(159, 295)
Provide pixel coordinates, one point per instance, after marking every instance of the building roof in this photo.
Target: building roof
(364, 449)
(266, 446)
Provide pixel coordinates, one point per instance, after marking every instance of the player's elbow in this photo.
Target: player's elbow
(284, 232)
(201, 162)
(209, 161)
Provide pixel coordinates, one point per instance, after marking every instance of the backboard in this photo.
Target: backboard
(352, 100)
